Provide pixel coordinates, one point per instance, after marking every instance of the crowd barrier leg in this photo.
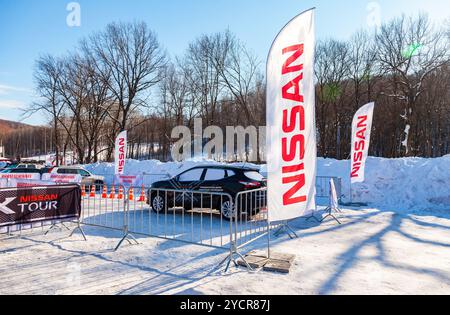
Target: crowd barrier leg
(55, 225)
(234, 250)
(127, 236)
(78, 228)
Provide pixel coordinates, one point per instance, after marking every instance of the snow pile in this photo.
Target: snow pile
(400, 184)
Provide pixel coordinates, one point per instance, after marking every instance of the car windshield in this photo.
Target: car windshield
(83, 173)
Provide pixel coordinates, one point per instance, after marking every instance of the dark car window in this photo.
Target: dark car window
(25, 170)
(192, 175)
(61, 171)
(214, 174)
(230, 173)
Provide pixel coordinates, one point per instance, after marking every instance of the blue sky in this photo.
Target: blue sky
(29, 28)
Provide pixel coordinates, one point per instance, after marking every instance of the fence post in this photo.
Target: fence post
(126, 234)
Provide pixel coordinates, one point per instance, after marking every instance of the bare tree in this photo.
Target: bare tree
(238, 69)
(130, 58)
(47, 75)
(409, 51)
(332, 72)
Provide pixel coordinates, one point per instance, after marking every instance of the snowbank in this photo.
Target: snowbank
(395, 184)
(401, 184)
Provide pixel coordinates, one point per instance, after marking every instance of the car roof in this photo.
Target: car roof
(227, 167)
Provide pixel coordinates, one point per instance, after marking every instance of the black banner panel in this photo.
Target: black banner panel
(37, 204)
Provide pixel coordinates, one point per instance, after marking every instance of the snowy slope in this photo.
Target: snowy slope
(400, 184)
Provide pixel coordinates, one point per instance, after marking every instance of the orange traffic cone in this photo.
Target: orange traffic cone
(131, 194)
(142, 196)
(92, 193)
(105, 192)
(112, 194)
(120, 195)
(83, 191)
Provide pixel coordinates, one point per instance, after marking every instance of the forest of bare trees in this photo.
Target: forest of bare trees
(121, 78)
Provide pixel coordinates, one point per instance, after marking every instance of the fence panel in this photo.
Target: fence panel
(182, 215)
(323, 187)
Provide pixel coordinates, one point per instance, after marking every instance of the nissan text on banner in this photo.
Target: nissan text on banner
(120, 153)
(361, 129)
(291, 126)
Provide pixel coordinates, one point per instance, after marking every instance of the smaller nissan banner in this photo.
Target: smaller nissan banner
(37, 204)
(129, 181)
(62, 178)
(120, 153)
(361, 129)
(21, 176)
(291, 125)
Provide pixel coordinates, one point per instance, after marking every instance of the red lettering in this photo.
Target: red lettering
(297, 141)
(361, 134)
(298, 52)
(293, 169)
(358, 156)
(362, 121)
(295, 111)
(359, 145)
(288, 197)
(295, 96)
(293, 143)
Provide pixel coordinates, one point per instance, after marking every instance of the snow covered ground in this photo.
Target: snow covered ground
(400, 244)
(406, 185)
(372, 252)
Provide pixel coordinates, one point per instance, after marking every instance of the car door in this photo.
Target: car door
(190, 180)
(214, 179)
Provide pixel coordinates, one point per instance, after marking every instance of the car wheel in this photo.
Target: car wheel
(227, 210)
(158, 203)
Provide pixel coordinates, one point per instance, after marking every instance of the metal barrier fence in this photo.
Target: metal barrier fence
(211, 219)
(187, 216)
(323, 187)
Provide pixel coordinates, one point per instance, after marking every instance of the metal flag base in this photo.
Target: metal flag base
(231, 258)
(126, 237)
(285, 228)
(312, 216)
(331, 215)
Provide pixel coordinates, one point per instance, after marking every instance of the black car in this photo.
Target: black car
(213, 179)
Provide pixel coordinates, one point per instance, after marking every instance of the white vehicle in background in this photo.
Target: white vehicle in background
(87, 178)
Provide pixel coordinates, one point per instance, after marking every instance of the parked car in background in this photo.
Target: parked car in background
(27, 166)
(87, 178)
(213, 179)
(21, 170)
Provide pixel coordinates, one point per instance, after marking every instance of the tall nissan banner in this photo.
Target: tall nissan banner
(361, 129)
(291, 126)
(120, 153)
